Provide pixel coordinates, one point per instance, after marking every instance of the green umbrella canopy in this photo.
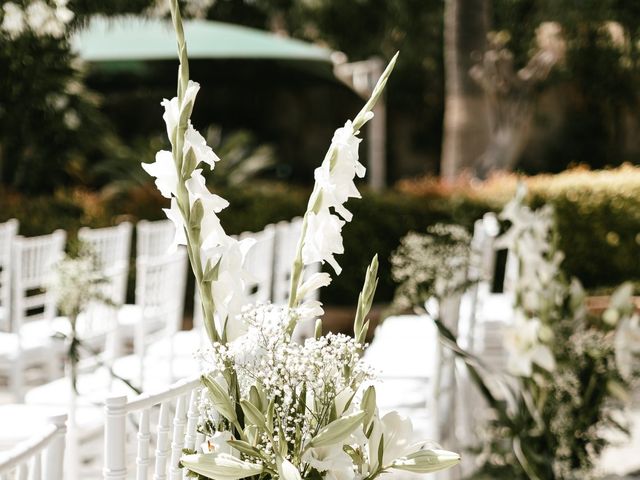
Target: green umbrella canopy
(124, 39)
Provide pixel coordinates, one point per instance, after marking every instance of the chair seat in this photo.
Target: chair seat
(92, 387)
(157, 370)
(33, 346)
(20, 421)
(184, 343)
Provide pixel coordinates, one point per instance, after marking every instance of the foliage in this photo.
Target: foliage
(567, 381)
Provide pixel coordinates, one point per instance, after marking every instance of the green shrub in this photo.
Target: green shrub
(598, 215)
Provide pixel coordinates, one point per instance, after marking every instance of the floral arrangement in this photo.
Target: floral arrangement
(569, 370)
(273, 408)
(76, 282)
(431, 264)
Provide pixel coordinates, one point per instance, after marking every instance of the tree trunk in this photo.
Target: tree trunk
(466, 116)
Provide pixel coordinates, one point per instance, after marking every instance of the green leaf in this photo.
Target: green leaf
(246, 448)
(368, 405)
(253, 415)
(221, 399)
(337, 430)
(255, 397)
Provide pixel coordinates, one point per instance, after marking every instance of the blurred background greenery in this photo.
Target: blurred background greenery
(72, 136)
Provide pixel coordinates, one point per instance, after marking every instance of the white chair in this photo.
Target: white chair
(112, 247)
(403, 353)
(41, 457)
(8, 231)
(156, 316)
(29, 343)
(153, 239)
(169, 416)
(287, 238)
(259, 264)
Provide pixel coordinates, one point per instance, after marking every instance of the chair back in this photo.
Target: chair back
(112, 247)
(38, 458)
(287, 236)
(160, 292)
(33, 260)
(169, 417)
(8, 231)
(259, 264)
(153, 239)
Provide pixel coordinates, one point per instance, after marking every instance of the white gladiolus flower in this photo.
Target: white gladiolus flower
(203, 152)
(336, 181)
(172, 110)
(164, 169)
(229, 288)
(522, 342)
(313, 283)
(63, 14)
(211, 231)
(173, 214)
(323, 239)
(13, 21)
(38, 14)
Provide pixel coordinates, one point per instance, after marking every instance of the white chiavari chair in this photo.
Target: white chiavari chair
(156, 317)
(41, 457)
(30, 341)
(287, 238)
(153, 239)
(259, 264)
(8, 231)
(162, 425)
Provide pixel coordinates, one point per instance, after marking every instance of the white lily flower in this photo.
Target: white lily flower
(13, 21)
(396, 432)
(328, 459)
(323, 239)
(522, 342)
(203, 152)
(173, 214)
(164, 170)
(219, 443)
(287, 471)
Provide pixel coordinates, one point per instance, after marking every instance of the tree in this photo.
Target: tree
(466, 117)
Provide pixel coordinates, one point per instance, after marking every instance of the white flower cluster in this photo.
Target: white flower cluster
(216, 248)
(430, 265)
(42, 19)
(538, 288)
(300, 389)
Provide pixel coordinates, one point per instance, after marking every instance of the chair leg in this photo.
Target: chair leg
(16, 380)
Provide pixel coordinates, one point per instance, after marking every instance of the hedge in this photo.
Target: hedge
(598, 216)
